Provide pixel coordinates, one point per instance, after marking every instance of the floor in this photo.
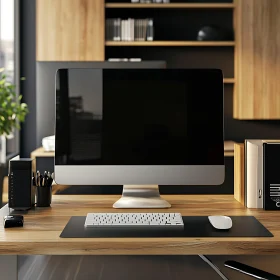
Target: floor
(136, 267)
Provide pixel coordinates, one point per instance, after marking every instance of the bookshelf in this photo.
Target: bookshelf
(170, 6)
(171, 43)
(229, 81)
(175, 30)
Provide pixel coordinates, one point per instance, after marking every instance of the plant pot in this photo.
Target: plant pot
(2, 149)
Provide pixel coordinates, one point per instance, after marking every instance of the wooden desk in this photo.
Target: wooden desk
(40, 234)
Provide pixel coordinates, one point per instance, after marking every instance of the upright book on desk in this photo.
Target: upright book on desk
(254, 173)
(271, 178)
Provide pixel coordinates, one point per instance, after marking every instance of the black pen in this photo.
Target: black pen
(41, 180)
(45, 178)
(38, 178)
(33, 179)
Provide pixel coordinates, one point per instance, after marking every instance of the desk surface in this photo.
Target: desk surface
(40, 234)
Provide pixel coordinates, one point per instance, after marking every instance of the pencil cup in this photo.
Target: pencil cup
(43, 196)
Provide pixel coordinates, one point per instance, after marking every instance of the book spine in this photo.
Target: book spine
(132, 29)
(126, 30)
(122, 30)
(253, 175)
(150, 30)
(141, 30)
(114, 29)
(129, 29)
(136, 29)
(118, 37)
(111, 29)
(145, 29)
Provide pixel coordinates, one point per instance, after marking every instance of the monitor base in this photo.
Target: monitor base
(141, 196)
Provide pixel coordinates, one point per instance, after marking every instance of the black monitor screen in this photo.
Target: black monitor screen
(139, 117)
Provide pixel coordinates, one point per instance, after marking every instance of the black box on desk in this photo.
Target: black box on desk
(21, 193)
(271, 176)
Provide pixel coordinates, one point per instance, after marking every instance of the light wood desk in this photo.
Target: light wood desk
(42, 227)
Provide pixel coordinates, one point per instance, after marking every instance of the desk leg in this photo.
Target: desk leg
(8, 268)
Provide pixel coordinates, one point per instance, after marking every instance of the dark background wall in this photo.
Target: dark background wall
(234, 129)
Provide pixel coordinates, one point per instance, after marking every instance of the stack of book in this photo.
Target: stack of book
(129, 29)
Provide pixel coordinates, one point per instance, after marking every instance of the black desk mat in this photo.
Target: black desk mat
(195, 226)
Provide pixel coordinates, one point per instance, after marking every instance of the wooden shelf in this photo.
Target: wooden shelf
(170, 43)
(228, 153)
(229, 81)
(171, 5)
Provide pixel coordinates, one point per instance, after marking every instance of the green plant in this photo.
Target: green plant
(12, 110)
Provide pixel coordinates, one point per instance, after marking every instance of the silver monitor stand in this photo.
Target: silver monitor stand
(141, 196)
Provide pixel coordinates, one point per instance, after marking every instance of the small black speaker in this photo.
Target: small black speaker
(21, 194)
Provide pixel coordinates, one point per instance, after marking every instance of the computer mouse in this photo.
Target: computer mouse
(220, 222)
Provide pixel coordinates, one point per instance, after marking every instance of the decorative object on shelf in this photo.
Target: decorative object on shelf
(214, 33)
(129, 29)
(12, 112)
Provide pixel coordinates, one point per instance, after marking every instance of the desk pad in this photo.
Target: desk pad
(195, 226)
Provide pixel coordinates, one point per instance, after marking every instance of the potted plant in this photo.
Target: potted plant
(12, 112)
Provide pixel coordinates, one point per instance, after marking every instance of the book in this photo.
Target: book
(117, 29)
(254, 173)
(118, 37)
(122, 30)
(150, 30)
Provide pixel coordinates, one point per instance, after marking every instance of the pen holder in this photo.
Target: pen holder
(43, 196)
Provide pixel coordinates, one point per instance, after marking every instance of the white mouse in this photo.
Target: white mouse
(220, 222)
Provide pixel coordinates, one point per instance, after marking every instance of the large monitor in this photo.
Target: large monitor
(45, 88)
(139, 128)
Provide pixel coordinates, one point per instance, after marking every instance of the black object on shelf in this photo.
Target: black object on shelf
(214, 33)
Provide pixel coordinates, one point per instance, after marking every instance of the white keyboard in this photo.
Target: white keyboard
(135, 220)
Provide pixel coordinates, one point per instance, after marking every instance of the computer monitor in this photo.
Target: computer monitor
(139, 128)
(45, 87)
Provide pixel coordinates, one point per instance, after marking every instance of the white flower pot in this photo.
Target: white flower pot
(2, 149)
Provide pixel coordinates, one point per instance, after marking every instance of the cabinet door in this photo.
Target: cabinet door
(70, 30)
(257, 68)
